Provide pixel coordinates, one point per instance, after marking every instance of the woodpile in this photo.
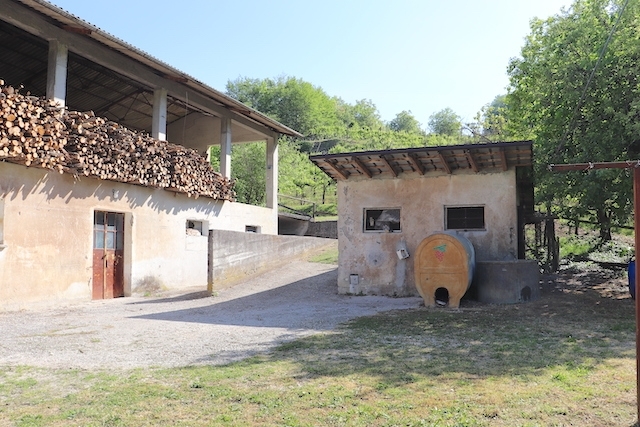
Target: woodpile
(37, 132)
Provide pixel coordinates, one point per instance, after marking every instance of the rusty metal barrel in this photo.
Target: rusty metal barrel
(444, 261)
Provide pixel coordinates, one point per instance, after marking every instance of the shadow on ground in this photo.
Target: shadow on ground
(311, 303)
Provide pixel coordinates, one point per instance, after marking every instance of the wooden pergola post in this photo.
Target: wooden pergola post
(635, 165)
(636, 233)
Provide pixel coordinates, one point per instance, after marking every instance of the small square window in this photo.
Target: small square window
(382, 220)
(195, 228)
(465, 218)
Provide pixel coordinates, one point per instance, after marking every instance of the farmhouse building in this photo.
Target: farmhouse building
(80, 226)
(390, 201)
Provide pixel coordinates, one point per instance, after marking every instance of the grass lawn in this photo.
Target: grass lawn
(567, 359)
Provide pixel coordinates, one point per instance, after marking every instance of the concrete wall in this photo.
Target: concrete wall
(237, 256)
(327, 229)
(422, 201)
(47, 226)
(507, 282)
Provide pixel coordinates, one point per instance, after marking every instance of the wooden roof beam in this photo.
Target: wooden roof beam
(444, 163)
(503, 159)
(415, 162)
(361, 166)
(471, 161)
(388, 163)
(334, 167)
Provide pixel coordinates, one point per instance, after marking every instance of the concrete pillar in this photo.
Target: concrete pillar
(57, 72)
(272, 173)
(159, 121)
(225, 147)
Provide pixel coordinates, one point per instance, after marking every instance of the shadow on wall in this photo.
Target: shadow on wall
(26, 182)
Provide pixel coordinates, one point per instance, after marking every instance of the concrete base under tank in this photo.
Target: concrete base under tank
(507, 282)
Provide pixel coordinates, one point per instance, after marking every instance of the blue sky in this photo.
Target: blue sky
(414, 55)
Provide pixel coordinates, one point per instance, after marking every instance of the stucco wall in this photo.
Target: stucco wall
(422, 201)
(47, 226)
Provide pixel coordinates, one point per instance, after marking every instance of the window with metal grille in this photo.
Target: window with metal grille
(465, 218)
(382, 220)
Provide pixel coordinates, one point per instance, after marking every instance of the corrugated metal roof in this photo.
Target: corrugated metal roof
(78, 25)
(493, 157)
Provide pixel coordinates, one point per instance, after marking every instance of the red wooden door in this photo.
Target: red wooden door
(108, 255)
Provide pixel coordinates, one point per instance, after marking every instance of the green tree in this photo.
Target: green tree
(492, 121)
(406, 122)
(581, 102)
(445, 122)
(291, 101)
(364, 114)
(248, 170)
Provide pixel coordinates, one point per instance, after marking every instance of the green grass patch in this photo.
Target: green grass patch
(327, 256)
(574, 246)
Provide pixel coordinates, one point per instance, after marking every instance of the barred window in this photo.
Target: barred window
(465, 218)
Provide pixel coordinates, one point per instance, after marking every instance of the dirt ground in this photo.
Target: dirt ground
(195, 329)
(187, 329)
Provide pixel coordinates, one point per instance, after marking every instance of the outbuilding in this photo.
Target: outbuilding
(390, 201)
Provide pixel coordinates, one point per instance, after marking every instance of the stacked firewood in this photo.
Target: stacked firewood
(32, 129)
(37, 132)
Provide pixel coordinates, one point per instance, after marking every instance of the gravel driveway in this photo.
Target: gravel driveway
(187, 329)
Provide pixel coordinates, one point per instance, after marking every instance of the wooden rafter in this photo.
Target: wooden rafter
(472, 158)
(471, 161)
(503, 159)
(361, 166)
(334, 167)
(413, 159)
(444, 163)
(388, 163)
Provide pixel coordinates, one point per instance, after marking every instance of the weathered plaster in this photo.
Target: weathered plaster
(422, 200)
(48, 234)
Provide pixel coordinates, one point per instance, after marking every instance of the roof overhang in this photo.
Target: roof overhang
(172, 76)
(449, 159)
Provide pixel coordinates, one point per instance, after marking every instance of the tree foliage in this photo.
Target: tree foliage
(364, 114)
(291, 101)
(547, 100)
(492, 122)
(445, 122)
(406, 122)
(248, 170)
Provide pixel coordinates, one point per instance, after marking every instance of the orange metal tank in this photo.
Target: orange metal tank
(444, 261)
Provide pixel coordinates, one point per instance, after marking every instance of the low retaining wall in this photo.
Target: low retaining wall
(507, 282)
(235, 256)
(326, 229)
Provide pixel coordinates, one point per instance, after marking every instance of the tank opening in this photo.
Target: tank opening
(442, 297)
(525, 294)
